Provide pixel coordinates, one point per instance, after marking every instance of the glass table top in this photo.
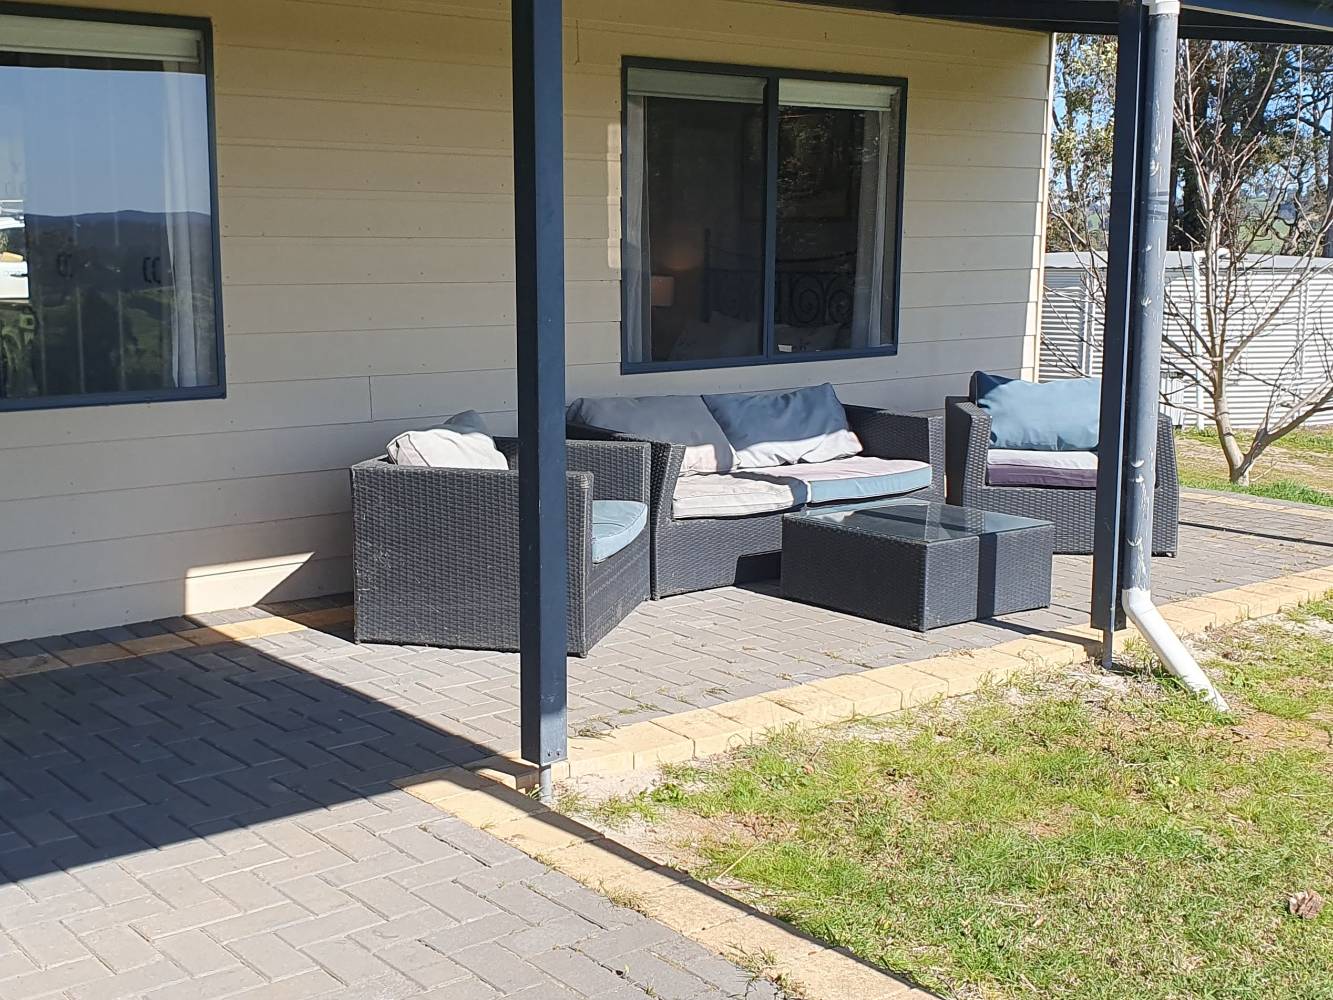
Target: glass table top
(916, 520)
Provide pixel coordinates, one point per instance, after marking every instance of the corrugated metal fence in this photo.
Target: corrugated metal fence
(1294, 353)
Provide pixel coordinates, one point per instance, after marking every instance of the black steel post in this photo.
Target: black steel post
(539, 250)
(1106, 613)
(1145, 359)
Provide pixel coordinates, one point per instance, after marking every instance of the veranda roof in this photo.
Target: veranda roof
(1309, 21)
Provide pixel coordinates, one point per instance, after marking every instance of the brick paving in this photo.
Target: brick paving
(222, 821)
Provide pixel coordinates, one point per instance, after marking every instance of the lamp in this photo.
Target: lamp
(663, 291)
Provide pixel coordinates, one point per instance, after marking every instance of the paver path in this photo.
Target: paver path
(222, 821)
(219, 823)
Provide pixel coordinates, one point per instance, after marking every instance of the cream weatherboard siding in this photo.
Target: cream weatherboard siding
(365, 175)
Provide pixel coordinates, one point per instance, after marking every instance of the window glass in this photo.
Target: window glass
(697, 225)
(700, 285)
(836, 216)
(106, 222)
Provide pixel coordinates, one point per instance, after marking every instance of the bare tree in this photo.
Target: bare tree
(1252, 215)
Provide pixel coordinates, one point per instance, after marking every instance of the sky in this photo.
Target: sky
(77, 141)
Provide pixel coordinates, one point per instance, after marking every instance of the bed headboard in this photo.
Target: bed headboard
(813, 292)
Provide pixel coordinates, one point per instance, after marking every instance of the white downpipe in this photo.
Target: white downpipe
(1140, 610)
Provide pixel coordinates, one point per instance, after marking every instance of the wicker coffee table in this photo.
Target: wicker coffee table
(917, 565)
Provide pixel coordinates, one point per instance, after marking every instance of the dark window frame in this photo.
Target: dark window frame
(204, 26)
(771, 75)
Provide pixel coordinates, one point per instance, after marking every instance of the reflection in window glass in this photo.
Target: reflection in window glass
(106, 220)
(698, 244)
(837, 226)
(701, 284)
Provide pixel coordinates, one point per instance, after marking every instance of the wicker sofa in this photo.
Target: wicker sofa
(436, 551)
(702, 553)
(1071, 510)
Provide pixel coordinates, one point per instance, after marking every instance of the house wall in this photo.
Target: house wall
(365, 176)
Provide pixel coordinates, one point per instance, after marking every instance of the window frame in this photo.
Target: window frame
(204, 26)
(771, 76)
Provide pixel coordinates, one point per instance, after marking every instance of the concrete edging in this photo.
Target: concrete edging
(171, 642)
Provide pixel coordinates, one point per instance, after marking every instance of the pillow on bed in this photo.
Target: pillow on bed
(720, 336)
(1040, 416)
(799, 339)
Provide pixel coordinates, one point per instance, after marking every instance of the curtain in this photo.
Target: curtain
(637, 265)
(186, 268)
(868, 296)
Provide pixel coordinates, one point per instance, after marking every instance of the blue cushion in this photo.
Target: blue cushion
(616, 523)
(864, 488)
(783, 428)
(1040, 416)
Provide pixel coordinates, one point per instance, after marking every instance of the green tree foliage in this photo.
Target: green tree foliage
(1081, 137)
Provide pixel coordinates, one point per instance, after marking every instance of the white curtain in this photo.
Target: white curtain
(187, 260)
(868, 297)
(637, 265)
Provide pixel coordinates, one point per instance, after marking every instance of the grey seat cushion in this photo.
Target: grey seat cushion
(616, 523)
(860, 477)
(1058, 469)
(681, 420)
(782, 428)
(790, 487)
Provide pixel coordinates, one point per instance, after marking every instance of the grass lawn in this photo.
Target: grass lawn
(1069, 837)
(1299, 467)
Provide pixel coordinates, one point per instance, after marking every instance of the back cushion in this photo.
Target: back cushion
(783, 428)
(674, 419)
(462, 442)
(1040, 416)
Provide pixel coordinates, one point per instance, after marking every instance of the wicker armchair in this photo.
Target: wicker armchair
(1072, 511)
(436, 551)
(705, 553)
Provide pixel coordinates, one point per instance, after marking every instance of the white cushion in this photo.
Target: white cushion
(462, 442)
(781, 428)
(736, 495)
(675, 419)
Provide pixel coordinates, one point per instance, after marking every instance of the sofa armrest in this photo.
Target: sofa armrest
(967, 433)
(587, 432)
(886, 434)
(401, 512)
(1168, 475)
(666, 459)
(621, 470)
